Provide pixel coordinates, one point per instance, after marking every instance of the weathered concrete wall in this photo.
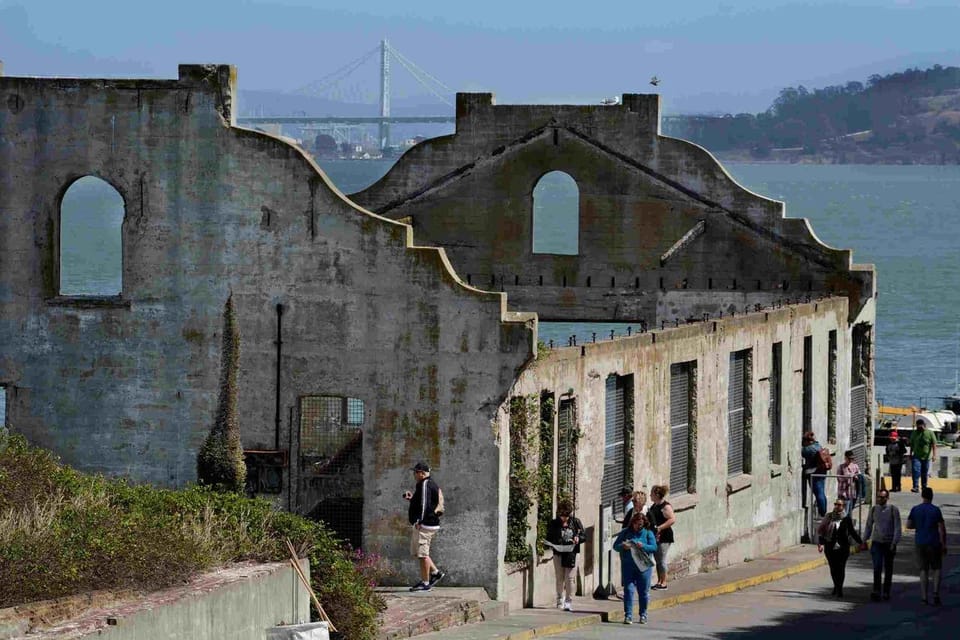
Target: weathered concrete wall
(727, 519)
(127, 385)
(238, 602)
(640, 195)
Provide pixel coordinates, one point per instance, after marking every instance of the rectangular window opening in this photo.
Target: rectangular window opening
(807, 383)
(3, 406)
(683, 430)
(567, 437)
(617, 458)
(739, 414)
(329, 424)
(776, 388)
(832, 386)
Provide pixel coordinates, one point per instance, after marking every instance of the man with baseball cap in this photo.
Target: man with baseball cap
(426, 507)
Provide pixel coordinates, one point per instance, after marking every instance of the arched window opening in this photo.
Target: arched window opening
(556, 215)
(91, 248)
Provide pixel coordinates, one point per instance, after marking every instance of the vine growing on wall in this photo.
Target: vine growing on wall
(522, 481)
(545, 470)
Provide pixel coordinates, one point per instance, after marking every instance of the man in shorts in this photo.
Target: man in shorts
(424, 514)
(930, 542)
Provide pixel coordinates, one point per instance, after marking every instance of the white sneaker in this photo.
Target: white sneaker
(567, 605)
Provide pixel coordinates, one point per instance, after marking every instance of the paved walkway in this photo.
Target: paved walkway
(784, 586)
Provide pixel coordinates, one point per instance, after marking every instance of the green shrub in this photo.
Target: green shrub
(63, 532)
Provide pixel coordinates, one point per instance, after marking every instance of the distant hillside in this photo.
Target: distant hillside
(907, 117)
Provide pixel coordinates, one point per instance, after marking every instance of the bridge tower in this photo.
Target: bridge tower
(384, 93)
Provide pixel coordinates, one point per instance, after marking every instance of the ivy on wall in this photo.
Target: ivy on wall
(523, 412)
(545, 470)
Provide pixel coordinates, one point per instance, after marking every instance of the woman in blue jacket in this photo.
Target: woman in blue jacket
(636, 545)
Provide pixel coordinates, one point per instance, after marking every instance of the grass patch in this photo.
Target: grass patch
(63, 532)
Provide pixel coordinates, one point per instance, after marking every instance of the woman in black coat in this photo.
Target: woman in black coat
(836, 534)
(564, 534)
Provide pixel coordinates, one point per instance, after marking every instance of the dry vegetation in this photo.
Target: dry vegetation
(63, 533)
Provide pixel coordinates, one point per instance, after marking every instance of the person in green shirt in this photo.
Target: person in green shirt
(923, 448)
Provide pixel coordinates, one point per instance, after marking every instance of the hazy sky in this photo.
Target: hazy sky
(727, 56)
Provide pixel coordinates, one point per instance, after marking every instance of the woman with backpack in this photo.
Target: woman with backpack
(816, 461)
(564, 534)
(835, 535)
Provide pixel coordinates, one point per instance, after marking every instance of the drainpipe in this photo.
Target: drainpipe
(276, 440)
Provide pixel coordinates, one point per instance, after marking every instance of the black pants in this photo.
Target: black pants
(837, 559)
(882, 554)
(895, 470)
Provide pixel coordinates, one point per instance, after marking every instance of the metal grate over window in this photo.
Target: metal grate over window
(328, 423)
(736, 409)
(807, 383)
(775, 411)
(567, 450)
(858, 424)
(614, 452)
(681, 462)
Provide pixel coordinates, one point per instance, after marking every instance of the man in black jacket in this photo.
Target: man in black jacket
(424, 514)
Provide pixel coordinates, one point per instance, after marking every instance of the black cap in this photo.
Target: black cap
(626, 490)
(422, 466)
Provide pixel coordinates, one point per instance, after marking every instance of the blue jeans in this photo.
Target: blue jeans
(817, 484)
(638, 583)
(921, 469)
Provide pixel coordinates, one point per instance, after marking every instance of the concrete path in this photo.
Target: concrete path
(784, 595)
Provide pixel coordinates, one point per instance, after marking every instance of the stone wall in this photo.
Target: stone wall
(664, 232)
(238, 602)
(126, 385)
(728, 518)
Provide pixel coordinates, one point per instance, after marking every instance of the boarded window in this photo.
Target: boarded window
(567, 436)
(738, 414)
(91, 248)
(683, 458)
(858, 424)
(556, 215)
(619, 394)
(807, 383)
(328, 424)
(775, 406)
(832, 386)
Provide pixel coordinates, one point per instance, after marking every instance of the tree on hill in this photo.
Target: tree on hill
(220, 460)
(913, 110)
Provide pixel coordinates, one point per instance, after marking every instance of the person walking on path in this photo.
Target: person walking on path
(883, 531)
(836, 534)
(847, 486)
(426, 506)
(812, 466)
(564, 534)
(923, 448)
(636, 545)
(896, 451)
(662, 519)
(930, 543)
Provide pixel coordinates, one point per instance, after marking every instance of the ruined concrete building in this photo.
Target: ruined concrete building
(400, 323)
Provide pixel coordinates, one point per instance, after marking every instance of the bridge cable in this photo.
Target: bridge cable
(317, 86)
(416, 71)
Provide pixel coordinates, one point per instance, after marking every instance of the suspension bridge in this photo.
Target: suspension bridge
(387, 55)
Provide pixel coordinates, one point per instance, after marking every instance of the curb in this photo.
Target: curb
(553, 629)
(719, 590)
